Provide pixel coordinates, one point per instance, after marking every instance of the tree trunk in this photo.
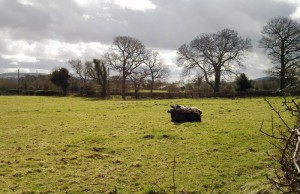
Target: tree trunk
(136, 94)
(282, 79)
(104, 90)
(282, 66)
(282, 73)
(64, 89)
(151, 87)
(217, 81)
(136, 89)
(123, 86)
(152, 84)
(105, 83)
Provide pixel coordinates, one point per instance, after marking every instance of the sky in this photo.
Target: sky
(41, 35)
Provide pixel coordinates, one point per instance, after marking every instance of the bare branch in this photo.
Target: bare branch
(286, 141)
(278, 114)
(296, 149)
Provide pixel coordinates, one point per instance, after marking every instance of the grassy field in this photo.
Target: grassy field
(78, 145)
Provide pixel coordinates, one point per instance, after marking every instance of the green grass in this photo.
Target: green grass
(77, 145)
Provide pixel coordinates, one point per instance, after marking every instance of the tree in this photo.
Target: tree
(36, 82)
(80, 70)
(197, 81)
(214, 55)
(137, 78)
(98, 72)
(157, 68)
(281, 40)
(61, 78)
(242, 83)
(126, 55)
(6, 84)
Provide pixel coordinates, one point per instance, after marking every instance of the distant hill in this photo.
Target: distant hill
(15, 75)
(263, 78)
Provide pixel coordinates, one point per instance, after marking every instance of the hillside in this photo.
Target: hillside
(15, 75)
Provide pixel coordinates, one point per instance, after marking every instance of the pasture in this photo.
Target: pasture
(79, 145)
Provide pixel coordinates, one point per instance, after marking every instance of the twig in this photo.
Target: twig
(278, 114)
(296, 150)
(174, 185)
(267, 134)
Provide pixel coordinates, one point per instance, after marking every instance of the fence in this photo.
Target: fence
(170, 95)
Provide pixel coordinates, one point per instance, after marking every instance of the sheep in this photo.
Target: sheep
(180, 114)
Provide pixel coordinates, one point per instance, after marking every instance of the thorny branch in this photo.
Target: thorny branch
(296, 149)
(287, 142)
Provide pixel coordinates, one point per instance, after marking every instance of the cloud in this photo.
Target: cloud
(36, 32)
(256, 64)
(87, 17)
(296, 14)
(141, 5)
(169, 58)
(24, 51)
(26, 2)
(20, 58)
(296, 3)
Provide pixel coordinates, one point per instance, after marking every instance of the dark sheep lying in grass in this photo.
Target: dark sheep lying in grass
(180, 114)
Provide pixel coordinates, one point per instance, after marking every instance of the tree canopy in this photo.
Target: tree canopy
(126, 55)
(214, 54)
(98, 71)
(157, 68)
(281, 40)
(61, 78)
(242, 83)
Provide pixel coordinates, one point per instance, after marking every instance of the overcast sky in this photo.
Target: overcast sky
(39, 35)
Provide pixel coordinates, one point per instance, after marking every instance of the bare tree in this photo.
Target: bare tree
(137, 77)
(157, 68)
(81, 71)
(215, 55)
(197, 81)
(126, 55)
(281, 40)
(98, 71)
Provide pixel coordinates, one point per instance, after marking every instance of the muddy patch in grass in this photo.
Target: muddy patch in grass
(149, 137)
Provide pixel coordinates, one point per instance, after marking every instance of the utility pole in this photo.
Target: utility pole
(18, 78)
(108, 91)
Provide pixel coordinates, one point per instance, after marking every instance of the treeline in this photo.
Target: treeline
(129, 60)
(41, 85)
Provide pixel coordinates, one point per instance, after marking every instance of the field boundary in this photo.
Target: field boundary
(156, 95)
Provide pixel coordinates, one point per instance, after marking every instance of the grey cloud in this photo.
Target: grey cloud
(171, 24)
(176, 22)
(33, 67)
(23, 22)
